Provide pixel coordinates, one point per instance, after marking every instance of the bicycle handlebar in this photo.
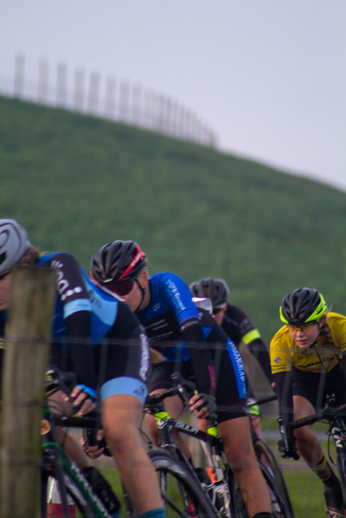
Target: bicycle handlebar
(262, 401)
(311, 419)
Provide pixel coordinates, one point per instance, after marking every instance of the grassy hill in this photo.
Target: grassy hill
(76, 182)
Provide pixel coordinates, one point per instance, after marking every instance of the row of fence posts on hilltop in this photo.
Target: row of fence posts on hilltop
(120, 101)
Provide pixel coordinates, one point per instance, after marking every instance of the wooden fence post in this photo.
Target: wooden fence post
(26, 358)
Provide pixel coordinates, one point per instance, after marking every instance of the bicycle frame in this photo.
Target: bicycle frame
(216, 460)
(69, 477)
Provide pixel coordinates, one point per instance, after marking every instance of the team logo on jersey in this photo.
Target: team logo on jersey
(277, 359)
(62, 284)
(157, 306)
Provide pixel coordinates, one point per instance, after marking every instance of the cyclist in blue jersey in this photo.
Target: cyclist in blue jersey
(97, 337)
(164, 306)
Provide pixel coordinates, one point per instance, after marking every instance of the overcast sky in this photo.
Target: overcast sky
(268, 75)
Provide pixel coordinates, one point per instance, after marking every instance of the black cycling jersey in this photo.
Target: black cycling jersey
(239, 328)
(228, 386)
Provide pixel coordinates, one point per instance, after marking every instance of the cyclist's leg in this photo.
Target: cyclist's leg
(254, 410)
(234, 428)
(124, 370)
(308, 395)
(120, 419)
(240, 454)
(161, 380)
(307, 443)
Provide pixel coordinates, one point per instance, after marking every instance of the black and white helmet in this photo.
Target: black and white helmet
(14, 243)
(214, 289)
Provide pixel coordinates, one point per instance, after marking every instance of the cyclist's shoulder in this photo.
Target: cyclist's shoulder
(337, 326)
(282, 338)
(59, 261)
(163, 278)
(235, 314)
(335, 318)
(169, 285)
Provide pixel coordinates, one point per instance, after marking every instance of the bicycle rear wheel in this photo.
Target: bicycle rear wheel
(266, 456)
(181, 492)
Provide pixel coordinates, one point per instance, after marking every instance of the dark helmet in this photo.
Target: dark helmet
(302, 305)
(14, 243)
(214, 289)
(117, 261)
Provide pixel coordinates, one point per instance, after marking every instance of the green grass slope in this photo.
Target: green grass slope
(76, 182)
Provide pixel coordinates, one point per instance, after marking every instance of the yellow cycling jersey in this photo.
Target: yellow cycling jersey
(284, 352)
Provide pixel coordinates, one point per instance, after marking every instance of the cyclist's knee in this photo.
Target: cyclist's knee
(122, 438)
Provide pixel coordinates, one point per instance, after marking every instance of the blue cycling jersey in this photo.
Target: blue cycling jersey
(169, 309)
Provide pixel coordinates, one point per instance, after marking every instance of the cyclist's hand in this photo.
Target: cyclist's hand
(94, 452)
(83, 397)
(291, 452)
(202, 405)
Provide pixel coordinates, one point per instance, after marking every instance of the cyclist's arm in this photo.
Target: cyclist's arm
(239, 328)
(259, 350)
(281, 364)
(200, 356)
(74, 298)
(178, 298)
(284, 394)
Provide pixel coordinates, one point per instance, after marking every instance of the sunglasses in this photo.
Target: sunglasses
(218, 310)
(304, 328)
(2, 276)
(119, 287)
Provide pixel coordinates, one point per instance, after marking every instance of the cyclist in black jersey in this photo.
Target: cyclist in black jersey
(238, 328)
(179, 331)
(97, 337)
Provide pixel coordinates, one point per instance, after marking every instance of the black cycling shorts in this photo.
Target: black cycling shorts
(314, 386)
(230, 405)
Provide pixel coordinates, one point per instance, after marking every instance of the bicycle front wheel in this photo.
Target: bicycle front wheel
(266, 456)
(279, 507)
(181, 492)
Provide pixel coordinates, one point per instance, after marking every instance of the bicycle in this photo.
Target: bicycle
(216, 495)
(333, 416)
(57, 464)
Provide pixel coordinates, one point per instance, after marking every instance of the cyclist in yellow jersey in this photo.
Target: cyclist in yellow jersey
(308, 356)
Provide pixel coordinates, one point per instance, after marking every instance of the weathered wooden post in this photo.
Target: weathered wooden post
(26, 358)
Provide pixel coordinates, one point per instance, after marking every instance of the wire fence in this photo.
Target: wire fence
(108, 98)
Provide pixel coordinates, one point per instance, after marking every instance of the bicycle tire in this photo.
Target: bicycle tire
(341, 462)
(278, 501)
(181, 492)
(262, 448)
